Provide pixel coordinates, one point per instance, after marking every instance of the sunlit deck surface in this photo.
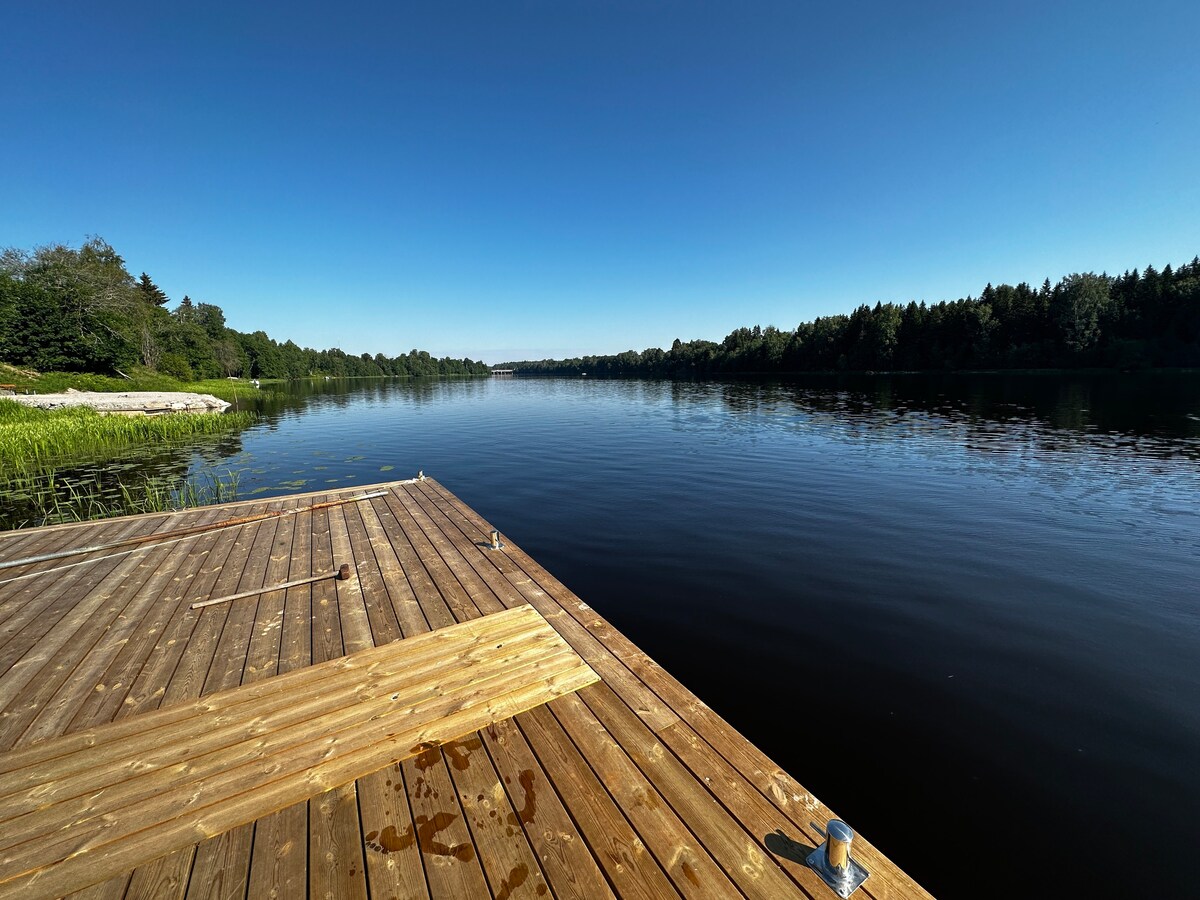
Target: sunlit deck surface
(629, 786)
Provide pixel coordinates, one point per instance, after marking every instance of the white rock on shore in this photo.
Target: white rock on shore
(130, 403)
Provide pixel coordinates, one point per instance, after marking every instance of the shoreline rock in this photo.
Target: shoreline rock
(127, 403)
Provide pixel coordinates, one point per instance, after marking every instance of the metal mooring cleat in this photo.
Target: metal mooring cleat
(833, 863)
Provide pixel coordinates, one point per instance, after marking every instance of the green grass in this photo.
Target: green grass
(36, 440)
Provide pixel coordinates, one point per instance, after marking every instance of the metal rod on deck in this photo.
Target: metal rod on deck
(186, 532)
(342, 574)
(94, 559)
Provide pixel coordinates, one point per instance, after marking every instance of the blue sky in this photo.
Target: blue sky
(529, 179)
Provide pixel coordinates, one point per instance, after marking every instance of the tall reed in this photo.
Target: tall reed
(36, 440)
(34, 500)
(39, 447)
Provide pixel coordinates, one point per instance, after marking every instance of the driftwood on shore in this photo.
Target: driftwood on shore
(128, 403)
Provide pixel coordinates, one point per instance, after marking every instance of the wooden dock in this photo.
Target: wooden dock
(448, 722)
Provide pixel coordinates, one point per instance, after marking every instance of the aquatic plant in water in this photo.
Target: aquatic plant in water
(35, 500)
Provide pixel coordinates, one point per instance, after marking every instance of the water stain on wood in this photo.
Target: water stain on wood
(515, 879)
(427, 829)
(422, 789)
(646, 798)
(459, 752)
(525, 815)
(388, 840)
(690, 874)
(426, 754)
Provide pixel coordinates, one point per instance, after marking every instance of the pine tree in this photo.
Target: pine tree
(151, 291)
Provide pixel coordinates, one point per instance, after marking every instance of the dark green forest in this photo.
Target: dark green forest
(1144, 319)
(79, 310)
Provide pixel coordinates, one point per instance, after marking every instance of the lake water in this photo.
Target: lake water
(962, 610)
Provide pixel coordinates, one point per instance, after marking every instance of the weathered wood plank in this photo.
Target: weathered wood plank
(221, 868)
(263, 654)
(37, 675)
(279, 857)
(396, 580)
(126, 639)
(721, 741)
(504, 852)
(369, 564)
(326, 624)
(335, 848)
(565, 857)
(451, 861)
(456, 575)
(680, 853)
(184, 674)
(40, 604)
(352, 604)
(191, 672)
(394, 866)
(233, 644)
(627, 863)
(30, 592)
(151, 684)
(103, 703)
(739, 851)
(113, 889)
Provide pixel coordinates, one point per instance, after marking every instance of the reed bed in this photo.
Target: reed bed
(35, 440)
(65, 465)
(47, 499)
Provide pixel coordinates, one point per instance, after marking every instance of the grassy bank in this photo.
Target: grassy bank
(26, 381)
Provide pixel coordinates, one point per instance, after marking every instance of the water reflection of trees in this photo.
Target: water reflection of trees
(292, 398)
(1155, 415)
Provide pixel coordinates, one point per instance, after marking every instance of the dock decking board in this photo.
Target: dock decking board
(631, 787)
(254, 750)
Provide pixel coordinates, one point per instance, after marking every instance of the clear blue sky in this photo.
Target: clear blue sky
(529, 179)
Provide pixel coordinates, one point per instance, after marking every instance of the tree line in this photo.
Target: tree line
(1136, 320)
(79, 310)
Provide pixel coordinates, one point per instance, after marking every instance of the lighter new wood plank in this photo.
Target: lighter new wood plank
(70, 843)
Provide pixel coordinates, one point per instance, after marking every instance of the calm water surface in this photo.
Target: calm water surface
(957, 609)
